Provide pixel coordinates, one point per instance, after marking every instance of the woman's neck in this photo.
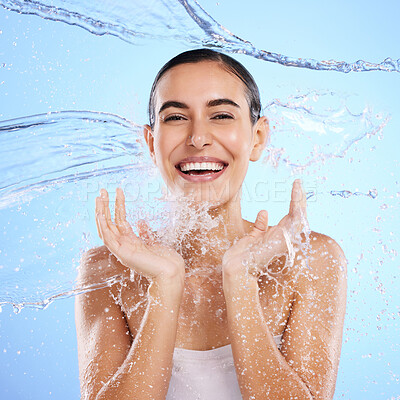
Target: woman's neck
(216, 229)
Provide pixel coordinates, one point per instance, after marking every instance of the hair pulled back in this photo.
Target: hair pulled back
(226, 62)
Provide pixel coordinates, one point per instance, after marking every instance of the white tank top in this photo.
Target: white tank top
(205, 375)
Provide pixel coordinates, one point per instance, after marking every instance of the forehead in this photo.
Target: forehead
(202, 81)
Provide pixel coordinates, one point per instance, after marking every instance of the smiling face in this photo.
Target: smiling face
(203, 138)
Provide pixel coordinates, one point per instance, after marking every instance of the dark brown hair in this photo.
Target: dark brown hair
(228, 63)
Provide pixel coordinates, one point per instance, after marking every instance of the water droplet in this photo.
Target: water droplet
(17, 308)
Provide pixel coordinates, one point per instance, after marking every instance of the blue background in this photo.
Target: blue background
(51, 66)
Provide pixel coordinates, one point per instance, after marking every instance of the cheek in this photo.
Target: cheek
(238, 143)
(162, 148)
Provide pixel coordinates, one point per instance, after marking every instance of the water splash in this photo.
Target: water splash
(64, 158)
(372, 193)
(312, 129)
(49, 162)
(68, 146)
(346, 193)
(44, 303)
(183, 20)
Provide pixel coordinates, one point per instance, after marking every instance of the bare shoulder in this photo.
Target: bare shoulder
(319, 241)
(106, 284)
(99, 266)
(321, 248)
(322, 262)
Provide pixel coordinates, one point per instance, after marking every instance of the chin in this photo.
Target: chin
(207, 195)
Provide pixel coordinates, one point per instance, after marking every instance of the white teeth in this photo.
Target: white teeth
(201, 166)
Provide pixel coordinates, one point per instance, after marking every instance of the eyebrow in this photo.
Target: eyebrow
(211, 103)
(176, 104)
(219, 102)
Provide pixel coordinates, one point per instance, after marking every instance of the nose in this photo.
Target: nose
(199, 135)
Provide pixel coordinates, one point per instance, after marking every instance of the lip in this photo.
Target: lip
(201, 178)
(201, 159)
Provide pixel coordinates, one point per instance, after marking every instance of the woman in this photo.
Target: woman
(264, 319)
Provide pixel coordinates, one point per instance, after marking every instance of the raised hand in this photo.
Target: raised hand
(253, 253)
(146, 257)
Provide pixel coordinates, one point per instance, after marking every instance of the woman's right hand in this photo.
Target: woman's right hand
(150, 259)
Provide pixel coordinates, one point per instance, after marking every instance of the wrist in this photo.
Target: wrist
(241, 269)
(241, 297)
(239, 281)
(167, 288)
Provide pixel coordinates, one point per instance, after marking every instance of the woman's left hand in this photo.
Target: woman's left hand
(252, 254)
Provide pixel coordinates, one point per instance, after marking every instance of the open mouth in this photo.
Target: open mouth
(201, 168)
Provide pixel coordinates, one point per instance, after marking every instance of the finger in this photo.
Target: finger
(106, 206)
(303, 202)
(297, 198)
(106, 210)
(260, 225)
(145, 232)
(106, 234)
(120, 211)
(301, 197)
(96, 215)
(120, 214)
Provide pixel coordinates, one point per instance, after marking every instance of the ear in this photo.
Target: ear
(261, 137)
(149, 138)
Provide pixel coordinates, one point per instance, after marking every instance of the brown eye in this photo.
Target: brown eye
(223, 116)
(175, 117)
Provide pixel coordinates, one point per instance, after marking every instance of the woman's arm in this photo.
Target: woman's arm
(113, 364)
(307, 364)
(313, 336)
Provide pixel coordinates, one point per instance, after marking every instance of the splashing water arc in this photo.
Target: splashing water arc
(144, 19)
(81, 151)
(64, 59)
